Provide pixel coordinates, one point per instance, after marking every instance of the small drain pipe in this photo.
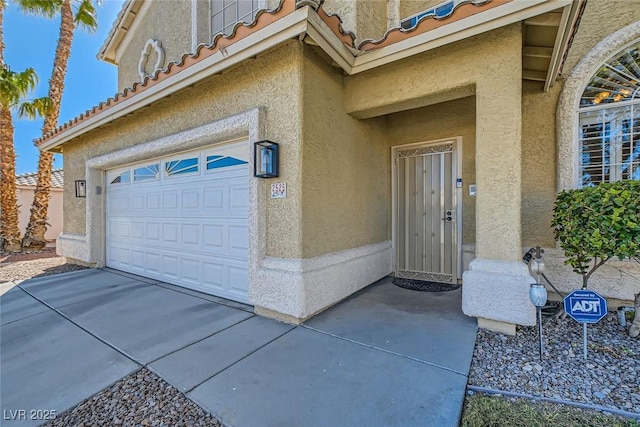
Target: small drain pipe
(620, 412)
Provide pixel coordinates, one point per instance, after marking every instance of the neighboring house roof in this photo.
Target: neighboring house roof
(396, 44)
(31, 179)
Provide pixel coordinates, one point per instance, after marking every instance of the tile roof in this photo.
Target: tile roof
(438, 16)
(240, 31)
(449, 11)
(31, 179)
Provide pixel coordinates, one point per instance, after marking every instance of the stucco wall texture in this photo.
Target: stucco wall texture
(411, 7)
(367, 19)
(597, 22)
(272, 81)
(539, 164)
(168, 24)
(345, 166)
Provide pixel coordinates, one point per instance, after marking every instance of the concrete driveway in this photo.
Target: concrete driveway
(385, 356)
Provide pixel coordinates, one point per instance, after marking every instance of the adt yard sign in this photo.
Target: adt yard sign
(585, 306)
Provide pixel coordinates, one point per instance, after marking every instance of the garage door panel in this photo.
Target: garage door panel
(187, 229)
(169, 202)
(238, 278)
(190, 236)
(239, 197)
(191, 200)
(137, 230)
(213, 198)
(153, 201)
(238, 238)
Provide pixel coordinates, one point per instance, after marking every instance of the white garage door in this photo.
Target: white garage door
(183, 219)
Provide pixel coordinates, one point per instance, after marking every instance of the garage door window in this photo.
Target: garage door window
(215, 162)
(146, 173)
(180, 167)
(123, 178)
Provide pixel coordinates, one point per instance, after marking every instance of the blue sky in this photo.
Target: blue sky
(30, 41)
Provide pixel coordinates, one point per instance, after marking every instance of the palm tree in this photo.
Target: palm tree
(85, 16)
(14, 88)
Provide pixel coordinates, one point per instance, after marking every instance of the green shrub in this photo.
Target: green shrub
(595, 224)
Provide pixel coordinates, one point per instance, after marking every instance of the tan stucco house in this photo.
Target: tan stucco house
(422, 138)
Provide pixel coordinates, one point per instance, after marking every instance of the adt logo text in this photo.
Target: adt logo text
(585, 306)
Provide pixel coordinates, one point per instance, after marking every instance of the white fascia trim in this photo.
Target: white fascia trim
(280, 31)
(567, 22)
(107, 46)
(500, 16)
(126, 38)
(320, 32)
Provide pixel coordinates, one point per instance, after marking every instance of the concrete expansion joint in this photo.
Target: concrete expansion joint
(237, 361)
(124, 353)
(148, 364)
(424, 362)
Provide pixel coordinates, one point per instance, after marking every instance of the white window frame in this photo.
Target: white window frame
(568, 108)
(615, 138)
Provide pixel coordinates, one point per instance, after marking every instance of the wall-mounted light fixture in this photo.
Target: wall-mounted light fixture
(81, 188)
(265, 159)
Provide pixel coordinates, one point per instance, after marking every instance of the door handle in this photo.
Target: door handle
(448, 216)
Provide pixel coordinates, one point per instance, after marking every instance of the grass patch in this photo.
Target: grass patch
(496, 411)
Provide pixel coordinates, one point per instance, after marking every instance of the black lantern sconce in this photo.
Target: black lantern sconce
(265, 159)
(81, 188)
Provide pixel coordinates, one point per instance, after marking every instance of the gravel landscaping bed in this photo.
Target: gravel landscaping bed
(140, 399)
(609, 377)
(22, 270)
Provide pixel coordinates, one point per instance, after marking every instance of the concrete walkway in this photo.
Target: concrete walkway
(384, 357)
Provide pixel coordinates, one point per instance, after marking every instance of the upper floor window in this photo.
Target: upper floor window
(225, 14)
(609, 121)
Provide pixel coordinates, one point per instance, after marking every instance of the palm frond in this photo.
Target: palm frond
(46, 8)
(39, 107)
(14, 87)
(86, 16)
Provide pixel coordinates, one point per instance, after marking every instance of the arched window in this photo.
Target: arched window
(609, 121)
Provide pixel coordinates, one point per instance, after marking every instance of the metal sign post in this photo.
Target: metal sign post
(585, 307)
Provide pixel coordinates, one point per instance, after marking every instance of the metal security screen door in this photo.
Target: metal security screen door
(425, 211)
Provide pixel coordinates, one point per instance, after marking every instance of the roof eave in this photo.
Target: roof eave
(282, 30)
(509, 13)
(119, 30)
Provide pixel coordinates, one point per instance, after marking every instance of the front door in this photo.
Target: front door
(425, 211)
